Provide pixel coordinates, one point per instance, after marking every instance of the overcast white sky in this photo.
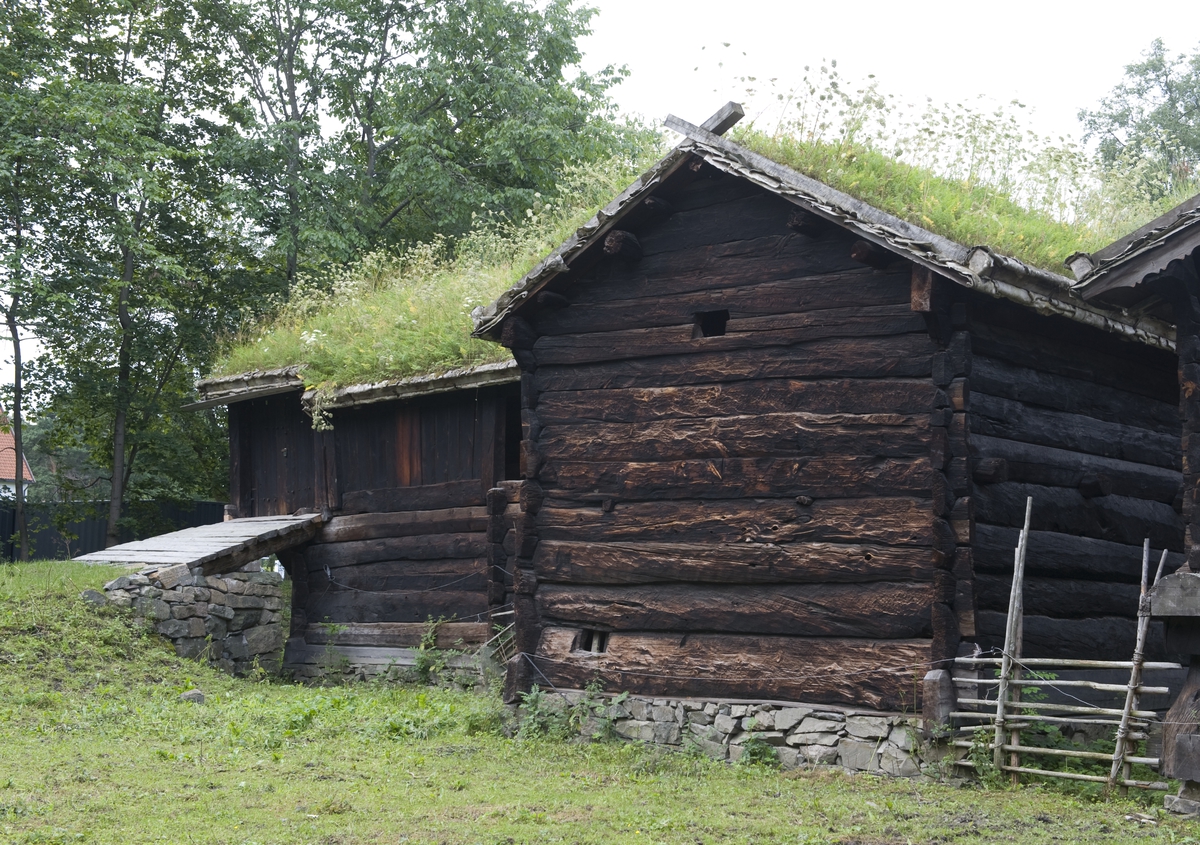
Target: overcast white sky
(1055, 57)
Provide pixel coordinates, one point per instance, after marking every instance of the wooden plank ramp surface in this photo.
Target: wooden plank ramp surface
(217, 548)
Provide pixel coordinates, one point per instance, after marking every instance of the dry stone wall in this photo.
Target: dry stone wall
(883, 743)
(233, 620)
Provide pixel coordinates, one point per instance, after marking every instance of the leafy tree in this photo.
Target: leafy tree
(169, 168)
(380, 122)
(31, 181)
(157, 265)
(1150, 122)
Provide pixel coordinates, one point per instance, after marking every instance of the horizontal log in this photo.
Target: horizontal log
(341, 606)
(767, 396)
(421, 547)
(1060, 598)
(1004, 418)
(740, 333)
(738, 220)
(397, 634)
(718, 478)
(1050, 467)
(1100, 638)
(884, 521)
(1072, 395)
(732, 563)
(885, 609)
(877, 674)
(1049, 352)
(1119, 519)
(451, 494)
(374, 526)
(785, 294)
(762, 435)
(1061, 555)
(901, 356)
(517, 334)
(463, 575)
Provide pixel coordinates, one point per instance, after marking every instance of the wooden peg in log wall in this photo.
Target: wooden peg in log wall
(622, 244)
(868, 253)
(805, 223)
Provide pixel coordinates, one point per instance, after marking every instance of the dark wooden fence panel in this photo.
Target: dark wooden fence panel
(87, 534)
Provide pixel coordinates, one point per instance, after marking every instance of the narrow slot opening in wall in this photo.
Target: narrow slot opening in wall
(594, 641)
(710, 324)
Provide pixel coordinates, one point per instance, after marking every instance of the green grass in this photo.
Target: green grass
(389, 317)
(971, 215)
(96, 747)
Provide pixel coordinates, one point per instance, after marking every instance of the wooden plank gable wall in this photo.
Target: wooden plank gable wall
(405, 482)
(766, 460)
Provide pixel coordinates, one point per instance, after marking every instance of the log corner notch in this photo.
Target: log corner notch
(953, 608)
(1187, 345)
(930, 296)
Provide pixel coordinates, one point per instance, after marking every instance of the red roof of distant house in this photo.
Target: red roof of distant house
(8, 459)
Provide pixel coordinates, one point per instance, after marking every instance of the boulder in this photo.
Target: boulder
(820, 755)
(789, 717)
(867, 727)
(94, 598)
(898, 763)
(859, 755)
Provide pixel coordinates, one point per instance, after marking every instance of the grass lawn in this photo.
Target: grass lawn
(96, 746)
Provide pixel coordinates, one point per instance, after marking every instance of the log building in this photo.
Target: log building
(777, 444)
(401, 477)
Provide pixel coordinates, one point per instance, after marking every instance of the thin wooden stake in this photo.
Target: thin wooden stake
(1119, 767)
(1010, 636)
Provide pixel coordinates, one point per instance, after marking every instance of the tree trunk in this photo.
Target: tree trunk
(22, 525)
(11, 317)
(117, 495)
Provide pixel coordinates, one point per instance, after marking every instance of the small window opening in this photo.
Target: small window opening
(594, 641)
(710, 324)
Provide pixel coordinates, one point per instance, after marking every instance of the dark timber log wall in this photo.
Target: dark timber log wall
(743, 514)
(405, 482)
(1088, 425)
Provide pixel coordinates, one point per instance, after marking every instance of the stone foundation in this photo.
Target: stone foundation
(232, 620)
(860, 741)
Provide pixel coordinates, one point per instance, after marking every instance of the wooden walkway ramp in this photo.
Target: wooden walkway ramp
(217, 548)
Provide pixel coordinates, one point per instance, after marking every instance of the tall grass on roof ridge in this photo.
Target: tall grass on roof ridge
(395, 316)
(974, 172)
(968, 214)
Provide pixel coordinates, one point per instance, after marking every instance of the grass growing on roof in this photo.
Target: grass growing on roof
(970, 214)
(394, 316)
